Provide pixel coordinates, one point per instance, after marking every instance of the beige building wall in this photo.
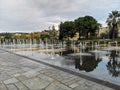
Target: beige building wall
(103, 30)
(119, 30)
(106, 30)
(75, 37)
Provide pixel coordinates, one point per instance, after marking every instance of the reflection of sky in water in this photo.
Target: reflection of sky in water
(102, 72)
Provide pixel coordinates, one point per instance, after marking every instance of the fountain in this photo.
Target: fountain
(53, 52)
(23, 46)
(109, 44)
(46, 46)
(41, 46)
(12, 46)
(61, 49)
(116, 44)
(81, 51)
(93, 46)
(31, 46)
(96, 51)
(80, 54)
(34, 43)
(74, 47)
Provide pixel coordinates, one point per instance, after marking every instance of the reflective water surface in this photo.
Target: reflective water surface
(90, 63)
(103, 64)
(100, 63)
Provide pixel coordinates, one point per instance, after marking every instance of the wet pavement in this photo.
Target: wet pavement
(20, 73)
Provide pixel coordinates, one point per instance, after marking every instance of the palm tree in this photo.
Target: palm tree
(113, 20)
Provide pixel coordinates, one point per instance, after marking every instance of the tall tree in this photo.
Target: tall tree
(86, 25)
(67, 30)
(90, 25)
(79, 26)
(61, 36)
(113, 20)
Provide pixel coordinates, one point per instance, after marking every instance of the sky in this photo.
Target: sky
(39, 15)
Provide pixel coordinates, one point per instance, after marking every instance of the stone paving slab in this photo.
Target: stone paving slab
(11, 87)
(36, 83)
(57, 86)
(2, 86)
(10, 81)
(21, 86)
(18, 73)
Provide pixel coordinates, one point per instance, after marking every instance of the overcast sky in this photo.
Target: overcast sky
(37, 15)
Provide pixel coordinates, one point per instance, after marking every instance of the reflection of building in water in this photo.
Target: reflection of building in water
(113, 65)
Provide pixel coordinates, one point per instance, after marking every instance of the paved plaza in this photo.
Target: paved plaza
(19, 73)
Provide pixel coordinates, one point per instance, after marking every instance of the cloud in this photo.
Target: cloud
(37, 15)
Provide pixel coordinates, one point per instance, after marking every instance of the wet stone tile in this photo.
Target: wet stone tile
(31, 73)
(11, 80)
(57, 86)
(12, 87)
(81, 87)
(73, 85)
(21, 77)
(21, 86)
(46, 78)
(4, 76)
(36, 83)
(2, 86)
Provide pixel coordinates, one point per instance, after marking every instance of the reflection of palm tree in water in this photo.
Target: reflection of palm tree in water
(113, 65)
